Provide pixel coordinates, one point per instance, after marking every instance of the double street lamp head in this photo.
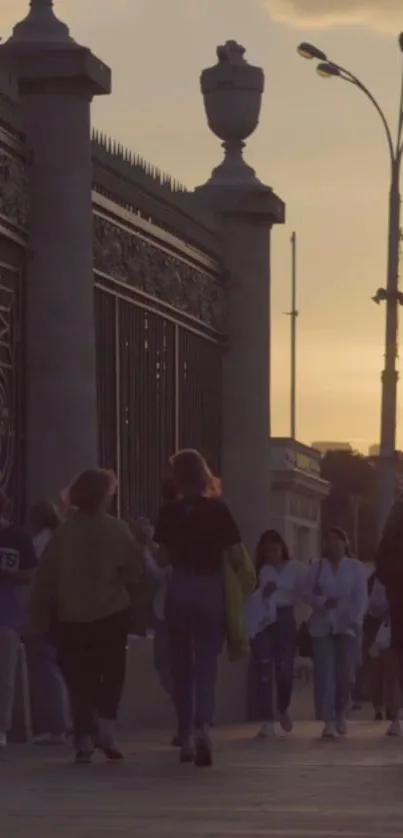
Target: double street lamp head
(326, 68)
(311, 52)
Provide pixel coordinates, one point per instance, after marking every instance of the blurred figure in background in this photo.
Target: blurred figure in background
(17, 567)
(389, 570)
(49, 700)
(273, 629)
(385, 682)
(144, 532)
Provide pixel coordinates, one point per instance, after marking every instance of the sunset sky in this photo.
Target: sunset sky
(319, 145)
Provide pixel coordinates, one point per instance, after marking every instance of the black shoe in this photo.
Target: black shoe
(84, 757)
(186, 754)
(379, 716)
(203, 756)
(84, 750)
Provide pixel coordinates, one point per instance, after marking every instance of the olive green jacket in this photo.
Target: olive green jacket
(87, 572)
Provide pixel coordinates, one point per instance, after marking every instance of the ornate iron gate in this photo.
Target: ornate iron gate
(13, 220)
(159, 365)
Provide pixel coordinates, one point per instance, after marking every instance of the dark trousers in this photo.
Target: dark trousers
(195, 619)
(274, 651)
(92, 658)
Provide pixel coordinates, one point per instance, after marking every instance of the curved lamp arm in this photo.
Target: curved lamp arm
(352, 79)
(399, 146)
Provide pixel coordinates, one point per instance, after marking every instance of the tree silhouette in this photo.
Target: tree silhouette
(351, 503)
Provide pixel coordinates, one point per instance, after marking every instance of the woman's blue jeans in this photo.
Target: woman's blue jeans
(273, 650)
(49, 697)
(335, 658)
(196, 624)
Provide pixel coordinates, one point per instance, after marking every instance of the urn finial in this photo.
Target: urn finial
(232, 92)
(41, 27)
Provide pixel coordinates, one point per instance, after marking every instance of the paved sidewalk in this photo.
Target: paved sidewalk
(286, 788)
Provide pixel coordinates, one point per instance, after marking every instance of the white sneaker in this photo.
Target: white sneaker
(394, 729)
(342, 727)
(329, 731)
(266, 731)
(286, 722)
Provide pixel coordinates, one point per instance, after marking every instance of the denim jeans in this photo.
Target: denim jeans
(49, 701)
(195, 618)
(335, 658)
(162, 658)
(274, 651)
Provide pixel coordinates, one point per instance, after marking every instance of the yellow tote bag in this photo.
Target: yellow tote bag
(239, 582)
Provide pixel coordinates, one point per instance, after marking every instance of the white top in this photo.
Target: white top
(261, 609)
(378, 605)
(161, 575)
(40, 541)
(347, 585)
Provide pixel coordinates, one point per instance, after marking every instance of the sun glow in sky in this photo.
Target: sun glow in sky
(319, 145)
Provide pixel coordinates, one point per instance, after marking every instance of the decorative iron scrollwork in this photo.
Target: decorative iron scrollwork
(8, 372)
(13, 189)
(124, 256)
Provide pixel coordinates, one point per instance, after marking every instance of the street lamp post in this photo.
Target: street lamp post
(391, 294)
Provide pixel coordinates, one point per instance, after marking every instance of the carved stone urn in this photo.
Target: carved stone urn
(232, 92)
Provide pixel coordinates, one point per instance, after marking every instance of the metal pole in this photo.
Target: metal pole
(387, 465)
(294, 315)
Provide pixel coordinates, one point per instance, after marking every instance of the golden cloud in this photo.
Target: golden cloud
(380, 14)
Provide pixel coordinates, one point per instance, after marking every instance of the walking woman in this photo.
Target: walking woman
(273, 630)
(195, 535)
(336, 588)
(82, 592)
(49, 700)
(386, 693)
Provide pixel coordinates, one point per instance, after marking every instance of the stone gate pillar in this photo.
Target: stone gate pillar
(247, 210)
(57, 80)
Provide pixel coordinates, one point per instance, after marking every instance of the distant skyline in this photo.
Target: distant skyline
(319, 145)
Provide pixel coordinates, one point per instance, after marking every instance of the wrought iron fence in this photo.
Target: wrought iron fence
(159, 388)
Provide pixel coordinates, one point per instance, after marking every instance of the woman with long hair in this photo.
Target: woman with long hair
(82, 592)
(194, 534)
(273, 629)
(336, 588)
(49, 701)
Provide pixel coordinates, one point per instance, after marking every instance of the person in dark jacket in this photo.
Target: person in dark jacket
(389, 569)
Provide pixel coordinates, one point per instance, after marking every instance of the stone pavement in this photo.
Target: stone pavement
(298, 787)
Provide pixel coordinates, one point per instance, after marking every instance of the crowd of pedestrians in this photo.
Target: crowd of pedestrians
(70, 586)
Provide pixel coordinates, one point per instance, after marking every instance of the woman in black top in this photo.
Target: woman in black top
(193, 534)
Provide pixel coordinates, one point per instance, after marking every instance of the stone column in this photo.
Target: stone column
(57, 80)
(247, 210)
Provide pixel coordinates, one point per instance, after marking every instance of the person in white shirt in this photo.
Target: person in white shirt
(272, 628)
(336, 589)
